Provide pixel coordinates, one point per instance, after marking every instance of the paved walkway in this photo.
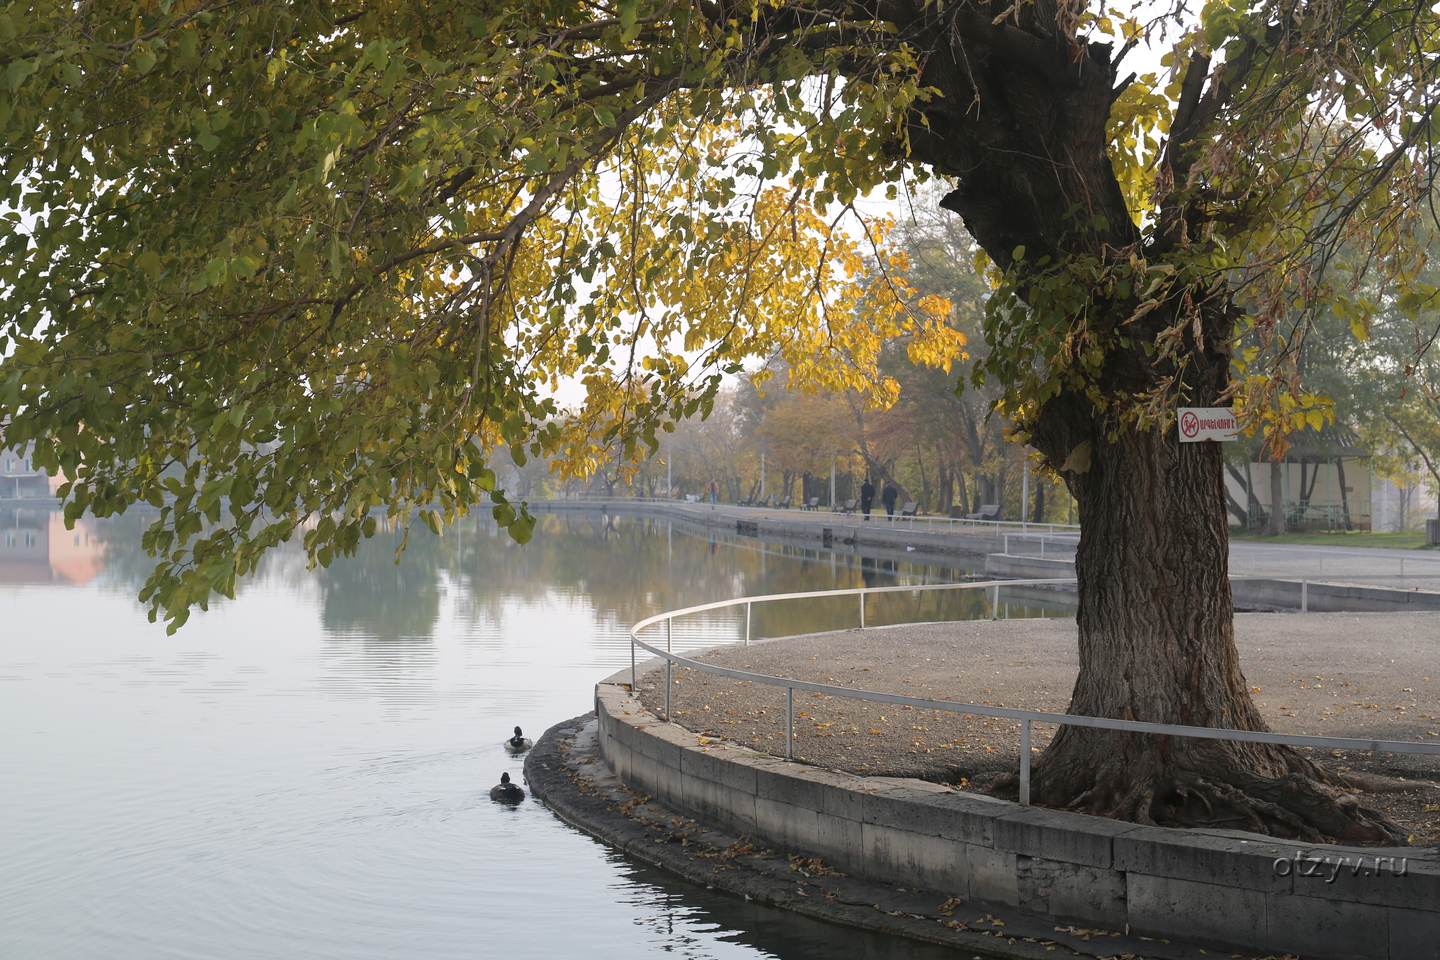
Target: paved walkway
(1372, 566)
(1357, 675)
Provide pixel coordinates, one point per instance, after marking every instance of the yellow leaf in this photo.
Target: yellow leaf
(1079, 459)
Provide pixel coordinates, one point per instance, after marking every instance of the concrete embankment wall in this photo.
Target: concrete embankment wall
(1226, 890)
(806, 528)
(898, 538)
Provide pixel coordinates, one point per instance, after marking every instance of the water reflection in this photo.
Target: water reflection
(623, 569)
(776, 933)
(35, 547)
(369, 595)
(304, 770)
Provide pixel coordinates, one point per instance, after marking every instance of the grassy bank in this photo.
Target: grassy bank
(1409, 540)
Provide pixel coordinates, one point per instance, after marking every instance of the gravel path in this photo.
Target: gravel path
(1356, 675)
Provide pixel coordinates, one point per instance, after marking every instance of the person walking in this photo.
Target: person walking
(891, 494)
(714, 491)
(867, 497)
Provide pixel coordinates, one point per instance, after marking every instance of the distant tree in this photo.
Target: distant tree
(805, 435)
(1396, 397)
(962, 428)
(1381, 374)
(710, 449)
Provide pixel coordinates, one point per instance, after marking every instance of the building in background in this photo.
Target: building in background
(1396, 507)
(20, 479)
(1325, 480)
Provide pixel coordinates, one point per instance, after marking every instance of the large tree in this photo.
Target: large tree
(270, 265)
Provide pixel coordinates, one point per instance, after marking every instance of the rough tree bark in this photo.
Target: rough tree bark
(1022, 128)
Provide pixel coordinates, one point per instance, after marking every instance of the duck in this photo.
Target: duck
(505, 791)
(518, 743)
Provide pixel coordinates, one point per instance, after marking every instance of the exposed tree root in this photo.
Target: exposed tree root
(1330, 811)
(1375, 783)
(1303, 802)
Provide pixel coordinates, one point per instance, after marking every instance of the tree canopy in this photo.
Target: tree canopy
(272, 265)
(316, 258)
(309, 259)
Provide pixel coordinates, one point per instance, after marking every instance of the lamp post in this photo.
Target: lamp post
(1024, 495)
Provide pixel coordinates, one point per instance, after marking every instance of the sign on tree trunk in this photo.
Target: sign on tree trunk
(1206, 423)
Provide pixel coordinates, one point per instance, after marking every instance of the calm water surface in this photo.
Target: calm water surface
(304, 771)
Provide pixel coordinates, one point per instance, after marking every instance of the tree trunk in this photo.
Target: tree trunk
(1023, 130)
(1242, 514)
(924, 481)
(985, 491)
(1345, 494)
(1277, 499)
(1156, 644)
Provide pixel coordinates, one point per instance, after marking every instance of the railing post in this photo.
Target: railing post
(1025, 763)
(747, 624)
(1026, 739)
(862, 611)
(789, 721)
(632, 661)
(1304, 596)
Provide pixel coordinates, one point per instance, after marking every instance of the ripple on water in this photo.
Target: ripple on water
(261, 785)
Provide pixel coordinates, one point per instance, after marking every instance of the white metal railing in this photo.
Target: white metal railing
(1386, 581)
(997, 527)
(1026, 717)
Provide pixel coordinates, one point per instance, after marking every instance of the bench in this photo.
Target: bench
(910, 509)
(847, 507)
(812, 504)
(784, 504)
(987, 511)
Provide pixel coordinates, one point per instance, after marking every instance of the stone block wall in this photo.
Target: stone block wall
(1226, 890)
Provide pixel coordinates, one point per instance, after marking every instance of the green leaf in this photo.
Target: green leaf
(17, 72)
(628, 12)
(149, 261)
(522, 528)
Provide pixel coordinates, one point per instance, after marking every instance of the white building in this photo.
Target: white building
(20, 478)
(1399, 508)
(1325, 480)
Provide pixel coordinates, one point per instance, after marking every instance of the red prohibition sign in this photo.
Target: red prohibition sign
(1189, 425)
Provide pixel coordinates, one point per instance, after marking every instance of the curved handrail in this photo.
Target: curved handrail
(1026, 717)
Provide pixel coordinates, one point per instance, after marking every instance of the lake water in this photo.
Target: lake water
(303, 772)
